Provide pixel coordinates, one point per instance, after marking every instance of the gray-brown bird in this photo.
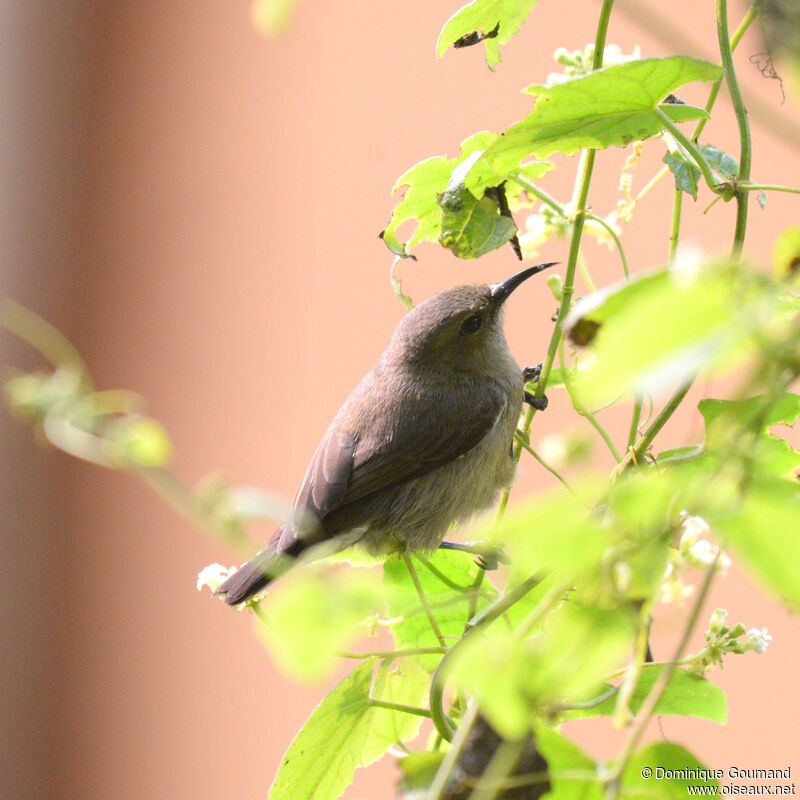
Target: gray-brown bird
(422, 442)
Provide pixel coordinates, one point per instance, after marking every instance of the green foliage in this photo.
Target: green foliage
(448, 589)
(611, 107)
(686, 172)
(312, 614)
(560, 664)
(428, 182)
(685, 694)
(495, 22)
(346, 731)
(762, 531)
(561, 633)
(765, 453)
(472, 227)
(660, 331)
(675, 761)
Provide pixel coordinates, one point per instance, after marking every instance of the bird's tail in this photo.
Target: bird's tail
(258, 573)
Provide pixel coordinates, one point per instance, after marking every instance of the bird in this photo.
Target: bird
(424, 440)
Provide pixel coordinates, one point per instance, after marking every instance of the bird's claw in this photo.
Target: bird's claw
(539, 403)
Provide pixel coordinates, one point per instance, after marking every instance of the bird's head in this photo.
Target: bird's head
(460, 327)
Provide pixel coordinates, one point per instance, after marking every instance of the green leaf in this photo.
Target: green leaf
(528, 532)
(417, 772)
(433, 177)
(472, 227)
(762, 532)
(314, 612)
(613, 106)
(661, 331)
(573, 774)
(344, 731)
(766, 453)
(686, 695)
(576, 646)
(447, 594)
(656, 771)
(686, 172)
(720, 162)
(483, 17)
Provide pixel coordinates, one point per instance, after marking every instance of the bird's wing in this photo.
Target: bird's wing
(387, 450)
(424, 440)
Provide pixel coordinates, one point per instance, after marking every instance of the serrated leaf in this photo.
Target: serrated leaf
(687, 173)
(314, 612)
(430, 178)
(447, 590)
(345, 732)
(762, 531)
(766, 453)
(686, 695)
(473, 227)
(663, 771)
(483, 17)
(613, 106)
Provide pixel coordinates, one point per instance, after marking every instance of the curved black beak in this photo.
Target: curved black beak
(501, 291)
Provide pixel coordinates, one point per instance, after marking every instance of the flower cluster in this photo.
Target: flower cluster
(722, 639)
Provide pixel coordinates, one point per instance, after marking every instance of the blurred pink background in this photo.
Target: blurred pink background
(197, 208)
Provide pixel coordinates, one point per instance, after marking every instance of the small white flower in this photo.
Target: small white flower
(213, 576)
(756, 639)
(692, 528)
(718, 620)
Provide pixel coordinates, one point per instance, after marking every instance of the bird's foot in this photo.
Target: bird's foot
(539, 403)
(488, 556)
(531, 374)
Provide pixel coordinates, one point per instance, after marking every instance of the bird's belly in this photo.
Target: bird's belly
(419, 513)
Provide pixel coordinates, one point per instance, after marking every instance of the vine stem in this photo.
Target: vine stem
(412, 571)
(746, 144)
(766, 187)
(654, 695)
(577, 404)
(459, 741)
(636, 452)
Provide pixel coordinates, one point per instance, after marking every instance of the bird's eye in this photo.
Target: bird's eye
(471, 324)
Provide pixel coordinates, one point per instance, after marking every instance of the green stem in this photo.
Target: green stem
(635, 418)
(658, 423)
(459, 741)
(412, 571)
(417, 712)
(691, 148)
(411, 651)
(749, 17)
(746, 146)
(582, 410)
(533, 189)
(170, 488)
(613, 234)
(526, 446)
(654, 695)
(674, 236)
(766, 187)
